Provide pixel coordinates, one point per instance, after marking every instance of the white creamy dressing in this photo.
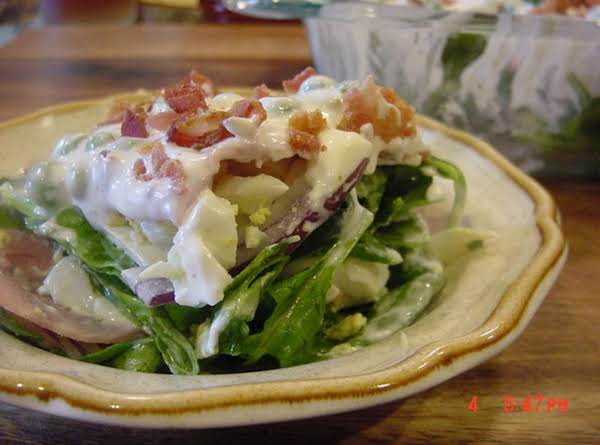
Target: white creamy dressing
(99, 179)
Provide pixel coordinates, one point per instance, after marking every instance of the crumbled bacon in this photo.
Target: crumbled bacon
(161, 121)
(188, 95)
(133, 124)
(407, 113)
(199, 131)
(139, 170)
(159, 157)
(249, 108)
(203, 82)
(304, 128)
(185, 98)
(161, 167)
(261, 91)
(362, 105)
(293, 85)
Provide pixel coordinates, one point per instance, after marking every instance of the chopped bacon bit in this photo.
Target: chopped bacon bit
(249, 108)
(162, 167)
(362, 106)
(305, 142)
(185, 98)
(261, 91)
(406, 111)
(206, 84)
(161, 121)
(188, 94)
(293, 85)
(312, 122)
(158, 157)
(133, 125)
(119, 107)
(304, 128)
(139, 170)
(199, 131)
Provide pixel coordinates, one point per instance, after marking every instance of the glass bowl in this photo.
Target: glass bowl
(528, 84)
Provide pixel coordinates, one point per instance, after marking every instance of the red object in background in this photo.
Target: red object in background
(216, 12)
(88, 11)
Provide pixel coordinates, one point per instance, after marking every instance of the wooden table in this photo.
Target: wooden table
(557, 356)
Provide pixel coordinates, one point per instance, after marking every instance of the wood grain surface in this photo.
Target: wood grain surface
(557, 356)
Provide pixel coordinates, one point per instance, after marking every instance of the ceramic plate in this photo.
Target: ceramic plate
(489, 299)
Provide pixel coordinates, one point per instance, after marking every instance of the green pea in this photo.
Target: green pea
(98, 140)
(68, 144)
(125, 144)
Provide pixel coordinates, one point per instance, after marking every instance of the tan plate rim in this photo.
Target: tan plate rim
(49, 386)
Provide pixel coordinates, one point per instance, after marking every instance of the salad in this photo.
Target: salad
(198, 231)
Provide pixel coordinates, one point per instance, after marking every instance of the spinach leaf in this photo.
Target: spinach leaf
(106, 354)
(404, 234)
(289, 334)
(371, 248)
(405, 190)
(13, 197)
(401, 306)
(184, 317)
(12, 326)
(176, 350)
(142, 356)
(370, 190)
(91, 246)
(228, 326)
(10, 219)
(460, 51)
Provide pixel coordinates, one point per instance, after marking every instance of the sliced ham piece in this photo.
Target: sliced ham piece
(33, 254)
(26, 251)
(43, 312)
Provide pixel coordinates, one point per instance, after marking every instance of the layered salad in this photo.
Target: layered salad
(198, 230)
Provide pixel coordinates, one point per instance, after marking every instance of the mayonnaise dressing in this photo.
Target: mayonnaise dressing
(99, 177)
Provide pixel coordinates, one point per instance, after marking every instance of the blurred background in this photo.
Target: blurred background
(523, 74)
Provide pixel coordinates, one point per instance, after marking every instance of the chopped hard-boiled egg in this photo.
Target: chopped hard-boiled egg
(204, 248)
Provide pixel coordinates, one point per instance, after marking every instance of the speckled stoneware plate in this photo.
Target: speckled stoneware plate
(489, 299)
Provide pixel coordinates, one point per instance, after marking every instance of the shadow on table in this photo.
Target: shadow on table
(416, 419)
(20, 426)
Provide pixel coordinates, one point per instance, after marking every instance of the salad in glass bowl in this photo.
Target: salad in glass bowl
(198, 231)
